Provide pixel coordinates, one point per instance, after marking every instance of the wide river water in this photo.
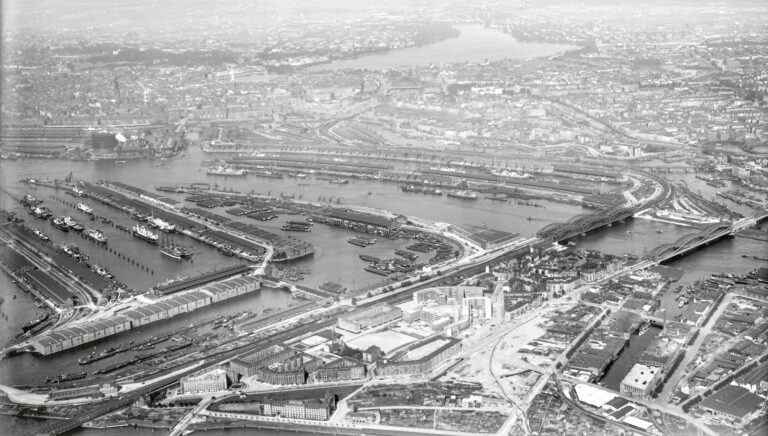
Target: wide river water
(475, 43)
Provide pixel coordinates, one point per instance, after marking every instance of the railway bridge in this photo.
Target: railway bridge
(585, 223)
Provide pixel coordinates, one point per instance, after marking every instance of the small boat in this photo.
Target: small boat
(41, 235)
(226, 171)
(42, 212)
(73, 224)
(84, 208)
(96, 235)
(463, 194)
(60, 224)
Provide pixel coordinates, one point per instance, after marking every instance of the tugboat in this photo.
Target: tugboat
(644, 328)
(42, 212)
(30, 200)
(142, 232)
(60, 224)
(96, 235)
(84, 208)
(74, 225)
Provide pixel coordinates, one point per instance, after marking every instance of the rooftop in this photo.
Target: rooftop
(640, 376)
(733, 400)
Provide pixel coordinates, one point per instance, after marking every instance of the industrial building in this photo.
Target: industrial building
(369, 317)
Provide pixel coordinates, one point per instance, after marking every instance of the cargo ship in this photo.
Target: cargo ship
(360, 242)
(339, 181)
(308, 222)
(65, 378)
(60, 224)
(375, 270)
(93, 357)
(410, 188)
(296, 227)
(73, 224)
(226, 171)
(84, 208)
(432, 191)
(150, 343)
(143, 233)
(406, 254)
(463, 194)
(268, 174)
(95, 235)
(35, 322)
(368, 258)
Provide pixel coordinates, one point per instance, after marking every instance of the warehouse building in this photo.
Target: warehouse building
(70, 336)
(373, 316)
(361, 221)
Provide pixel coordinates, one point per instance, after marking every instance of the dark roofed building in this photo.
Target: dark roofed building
(344, 217)
(490, 239)
(735, 403)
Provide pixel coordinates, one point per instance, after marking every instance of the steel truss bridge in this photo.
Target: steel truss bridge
(691, 241)
(586, 222)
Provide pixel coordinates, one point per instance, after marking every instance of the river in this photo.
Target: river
(475, 43)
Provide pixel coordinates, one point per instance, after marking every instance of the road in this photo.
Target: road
(182, 425)
(692, 350)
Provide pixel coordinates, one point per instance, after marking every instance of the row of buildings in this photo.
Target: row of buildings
(89, 330)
